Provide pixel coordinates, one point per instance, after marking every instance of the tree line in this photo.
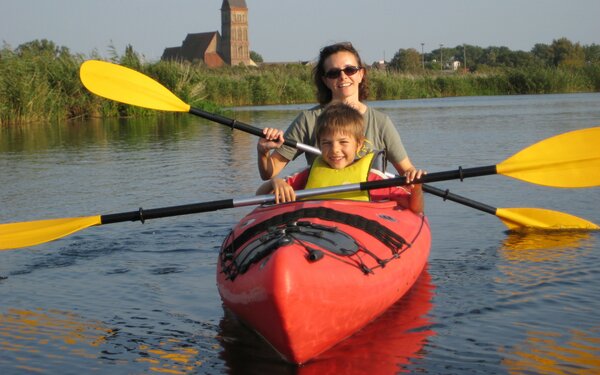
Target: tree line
(561, 53)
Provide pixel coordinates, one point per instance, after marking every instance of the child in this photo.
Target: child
(344, 159)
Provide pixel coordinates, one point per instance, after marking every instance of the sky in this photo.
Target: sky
(286, 30)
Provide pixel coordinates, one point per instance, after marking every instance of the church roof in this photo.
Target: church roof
(195, 45)
(171, 53)
(228, 4)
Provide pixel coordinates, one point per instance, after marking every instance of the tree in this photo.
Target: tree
(592, 53)
(565, 53)
(521, 59)
(42, 47)
(495, 56)
(543, 53)
(256, 57)
(406, 60)
(474, 55)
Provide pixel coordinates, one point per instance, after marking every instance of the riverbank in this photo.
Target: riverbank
(45, 86)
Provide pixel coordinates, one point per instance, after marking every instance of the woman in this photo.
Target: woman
(340, 76)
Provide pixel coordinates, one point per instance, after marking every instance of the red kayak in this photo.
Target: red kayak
(308, 274)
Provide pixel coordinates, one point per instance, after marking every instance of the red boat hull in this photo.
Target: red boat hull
(302, 298)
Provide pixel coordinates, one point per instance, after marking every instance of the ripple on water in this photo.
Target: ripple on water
(46, 341)
(162, 342)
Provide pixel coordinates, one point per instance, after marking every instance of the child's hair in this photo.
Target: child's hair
(339, 117)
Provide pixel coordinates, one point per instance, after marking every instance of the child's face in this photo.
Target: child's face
(339, 149)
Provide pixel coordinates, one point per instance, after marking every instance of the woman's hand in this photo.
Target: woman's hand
(416, 201)
(413, 174)
(273, 139)
(283, 191)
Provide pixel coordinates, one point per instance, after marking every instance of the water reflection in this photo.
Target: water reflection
(44, 341)
(386, 346)
(36, 138)
(543, 246)
(54, 338)
(546, 288)
(576, 352)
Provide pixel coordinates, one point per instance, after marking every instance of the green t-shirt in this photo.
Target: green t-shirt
(380, 134)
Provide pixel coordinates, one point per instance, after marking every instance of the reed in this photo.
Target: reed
(388, 86)
(27, 91)
(43, 85)
(266, 85)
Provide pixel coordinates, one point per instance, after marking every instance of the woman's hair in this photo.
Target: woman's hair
(342, 118)
(323, 93)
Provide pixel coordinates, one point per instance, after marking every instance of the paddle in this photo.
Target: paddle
(15, 235)
(568, 160)
(128, 86)
(23, 234)
(517, 218)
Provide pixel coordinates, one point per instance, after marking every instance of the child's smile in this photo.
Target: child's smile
(339, 149)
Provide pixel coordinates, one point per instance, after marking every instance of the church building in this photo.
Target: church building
(232, 47)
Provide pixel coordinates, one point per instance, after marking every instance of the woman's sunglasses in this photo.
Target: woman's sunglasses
(336, 73)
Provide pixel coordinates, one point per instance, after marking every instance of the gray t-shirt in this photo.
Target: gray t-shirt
(379, 132)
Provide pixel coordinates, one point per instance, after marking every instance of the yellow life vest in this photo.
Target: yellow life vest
(322, 175)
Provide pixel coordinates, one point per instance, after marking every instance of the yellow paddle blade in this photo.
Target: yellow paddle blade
(125, 85)
(566, 160)
(540, 218)
(15, 235)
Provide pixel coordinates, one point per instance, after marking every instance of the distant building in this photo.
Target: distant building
(214, 49)
(381, 64)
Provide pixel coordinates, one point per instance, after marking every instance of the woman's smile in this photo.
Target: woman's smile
(344, 86)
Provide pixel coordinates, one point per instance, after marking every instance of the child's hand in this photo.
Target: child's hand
(283, 191)
(273, 139)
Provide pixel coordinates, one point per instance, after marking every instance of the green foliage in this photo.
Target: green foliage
(130, 59)
(407, 60)
(386, 86)
(567, 54)
(543, 54)
(592, 54)
(39, 81)
(269, 84)
(592, 72)
(256, 57)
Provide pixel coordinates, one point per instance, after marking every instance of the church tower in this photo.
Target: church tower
(235, 47)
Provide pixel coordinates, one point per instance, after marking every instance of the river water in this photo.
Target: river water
(129, 298)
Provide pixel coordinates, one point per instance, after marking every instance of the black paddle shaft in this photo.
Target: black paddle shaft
(234, 124)
(447, 195)
(458, 174)
(186, 209)
(155, 213)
